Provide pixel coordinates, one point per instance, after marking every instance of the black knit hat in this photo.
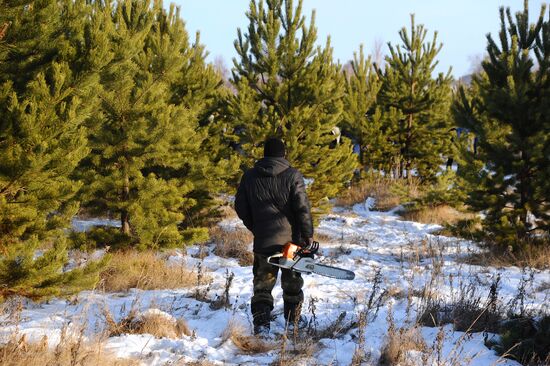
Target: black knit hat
(274, 147)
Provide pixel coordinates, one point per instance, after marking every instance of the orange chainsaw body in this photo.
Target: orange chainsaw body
(289, 250)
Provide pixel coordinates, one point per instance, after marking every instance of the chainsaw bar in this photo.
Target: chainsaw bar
(308, 265)
(333, 272)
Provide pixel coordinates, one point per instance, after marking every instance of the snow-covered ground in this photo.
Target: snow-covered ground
(401, 261)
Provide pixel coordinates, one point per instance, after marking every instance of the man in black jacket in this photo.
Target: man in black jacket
(273, 204)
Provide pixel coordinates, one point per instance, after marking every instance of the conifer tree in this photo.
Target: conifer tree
(48, 71)
(201, 89)
(506, 108)
(417, 102)
(289, 88)
(362, 118)
(147, 165)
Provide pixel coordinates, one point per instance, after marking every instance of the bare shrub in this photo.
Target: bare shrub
(470, 313)
(201, 292)
(440, 214)
(155, 322)
(387, 192)
(359, 355)
(233, 244)
(335, 329)
(70, 351)
(245, 342)
(223, 301)
(465, 316)
(144, 270)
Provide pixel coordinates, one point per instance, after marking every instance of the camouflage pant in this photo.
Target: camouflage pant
(265, 276)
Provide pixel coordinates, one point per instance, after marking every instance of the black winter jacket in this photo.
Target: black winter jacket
(272, 202)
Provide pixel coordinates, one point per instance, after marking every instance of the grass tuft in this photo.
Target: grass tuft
(245, 342)
(399, 342)
(155, 322)
(144, 270)
(233, 244)
(388, 193)
(441, 215)
(70, 351)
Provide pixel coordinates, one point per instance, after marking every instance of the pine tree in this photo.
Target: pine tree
(363, 118)
(45, 97)
(147, 165)
(506, 109)
(417, 103)
(201, 88)
(291, 89)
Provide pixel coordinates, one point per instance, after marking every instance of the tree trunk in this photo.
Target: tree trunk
(524, 197)
(408, 144)
(409, 133)
(124, 216)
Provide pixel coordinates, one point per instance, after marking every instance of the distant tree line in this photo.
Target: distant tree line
(111, 109)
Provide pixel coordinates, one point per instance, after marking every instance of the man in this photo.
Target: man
(273, 204)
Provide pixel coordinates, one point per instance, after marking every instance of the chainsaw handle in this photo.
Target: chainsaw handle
(309, 250)
(278, 255)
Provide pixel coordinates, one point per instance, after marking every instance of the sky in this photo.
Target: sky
(462, 25)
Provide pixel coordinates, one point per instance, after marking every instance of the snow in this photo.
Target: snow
(406, 256)
(81, 225)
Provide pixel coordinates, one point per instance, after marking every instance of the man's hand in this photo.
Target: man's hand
(309, 247)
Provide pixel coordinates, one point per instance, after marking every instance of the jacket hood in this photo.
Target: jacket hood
(271, 166)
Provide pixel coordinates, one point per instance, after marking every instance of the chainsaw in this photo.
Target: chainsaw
(300, 259)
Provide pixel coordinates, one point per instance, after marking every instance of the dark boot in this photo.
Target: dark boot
(261, 313)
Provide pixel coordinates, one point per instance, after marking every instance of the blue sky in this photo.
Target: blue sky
(461, 24)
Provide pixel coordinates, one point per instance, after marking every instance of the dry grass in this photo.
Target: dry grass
(426, 248)
(246, 343)
(233, 244)
(227, 212)
(69, 352)
(534, 256)
(154, 322)
(442, 215)
(387, 192)
(398, 343)
(144, 270)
